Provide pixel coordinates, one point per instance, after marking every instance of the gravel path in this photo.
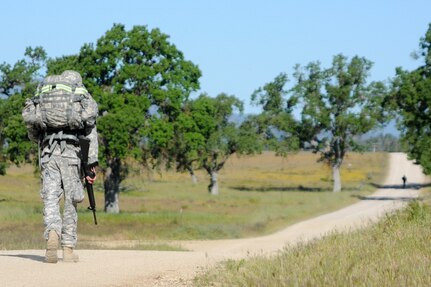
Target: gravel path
(176, 268)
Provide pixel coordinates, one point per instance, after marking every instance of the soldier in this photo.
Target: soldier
(61, 112)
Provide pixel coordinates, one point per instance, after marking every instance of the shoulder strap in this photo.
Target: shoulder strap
(61, 86)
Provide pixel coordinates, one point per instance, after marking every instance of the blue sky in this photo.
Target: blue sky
(239, 45)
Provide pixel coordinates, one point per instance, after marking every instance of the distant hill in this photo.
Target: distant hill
(390, 128)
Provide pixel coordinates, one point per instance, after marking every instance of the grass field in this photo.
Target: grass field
(394, 252)
(258, 195)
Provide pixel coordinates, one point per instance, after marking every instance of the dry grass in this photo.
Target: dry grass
(258, 195)
(299, 171)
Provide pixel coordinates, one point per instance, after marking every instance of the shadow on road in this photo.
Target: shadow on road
(26, 256)
(293, 188)
(279, 188)
(397, 198)
(401, 186)
(319, 189)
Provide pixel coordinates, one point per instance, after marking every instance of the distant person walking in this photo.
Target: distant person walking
(404, 178)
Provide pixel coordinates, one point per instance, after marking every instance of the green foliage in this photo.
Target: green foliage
(24, 73)
(337, 105)
(140, 81)
(271, 96)
(17, 83)
(276, 125)
(206, 136)
(411, 100)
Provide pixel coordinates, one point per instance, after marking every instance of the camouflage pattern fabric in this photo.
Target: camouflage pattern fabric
(61, 178)
(60, 102)
(60, 172)
(72, 77)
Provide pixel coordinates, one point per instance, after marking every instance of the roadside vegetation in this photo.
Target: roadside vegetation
(261, 194)
(394, 252)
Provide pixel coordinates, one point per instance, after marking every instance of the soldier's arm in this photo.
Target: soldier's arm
(33, 134)
(91, 130)
(94, 146)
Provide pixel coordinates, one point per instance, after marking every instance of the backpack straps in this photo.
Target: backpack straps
(52, 139)
(61, 86)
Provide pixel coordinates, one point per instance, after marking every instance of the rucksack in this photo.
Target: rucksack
(61, 102)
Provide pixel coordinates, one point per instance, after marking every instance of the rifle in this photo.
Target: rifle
(84, 143)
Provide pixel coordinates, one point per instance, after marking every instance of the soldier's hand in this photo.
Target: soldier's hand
(91, 180)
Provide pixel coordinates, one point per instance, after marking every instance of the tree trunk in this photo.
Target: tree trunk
(193, 175)
(336, 177)
(112, 186)
(213, 187)
(194, 179)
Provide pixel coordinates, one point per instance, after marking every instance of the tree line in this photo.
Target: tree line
(143, 85)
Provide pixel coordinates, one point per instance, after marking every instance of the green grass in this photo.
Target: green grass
(258, 195)
(394, 252)
(130, 245)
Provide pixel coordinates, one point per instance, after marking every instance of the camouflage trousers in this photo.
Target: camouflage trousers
(61, 179)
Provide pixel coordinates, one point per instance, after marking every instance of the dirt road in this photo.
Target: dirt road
(167, 268)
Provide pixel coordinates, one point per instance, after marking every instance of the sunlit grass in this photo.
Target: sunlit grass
(395, 252)
(130, 245)
(258, 195)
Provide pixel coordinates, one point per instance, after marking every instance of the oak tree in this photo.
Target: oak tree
(411, 101)
(208, 136)
(17, 82)
(336, 105)
(140, 81)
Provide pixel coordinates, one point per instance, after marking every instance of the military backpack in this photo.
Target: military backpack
(61, 102)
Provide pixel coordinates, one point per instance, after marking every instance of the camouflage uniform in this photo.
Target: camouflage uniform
(60, 160)
(60, 171)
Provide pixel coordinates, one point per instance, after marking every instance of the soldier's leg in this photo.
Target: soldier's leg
(70, 220)
(69, 233)
(51, 194)
(74, 193)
